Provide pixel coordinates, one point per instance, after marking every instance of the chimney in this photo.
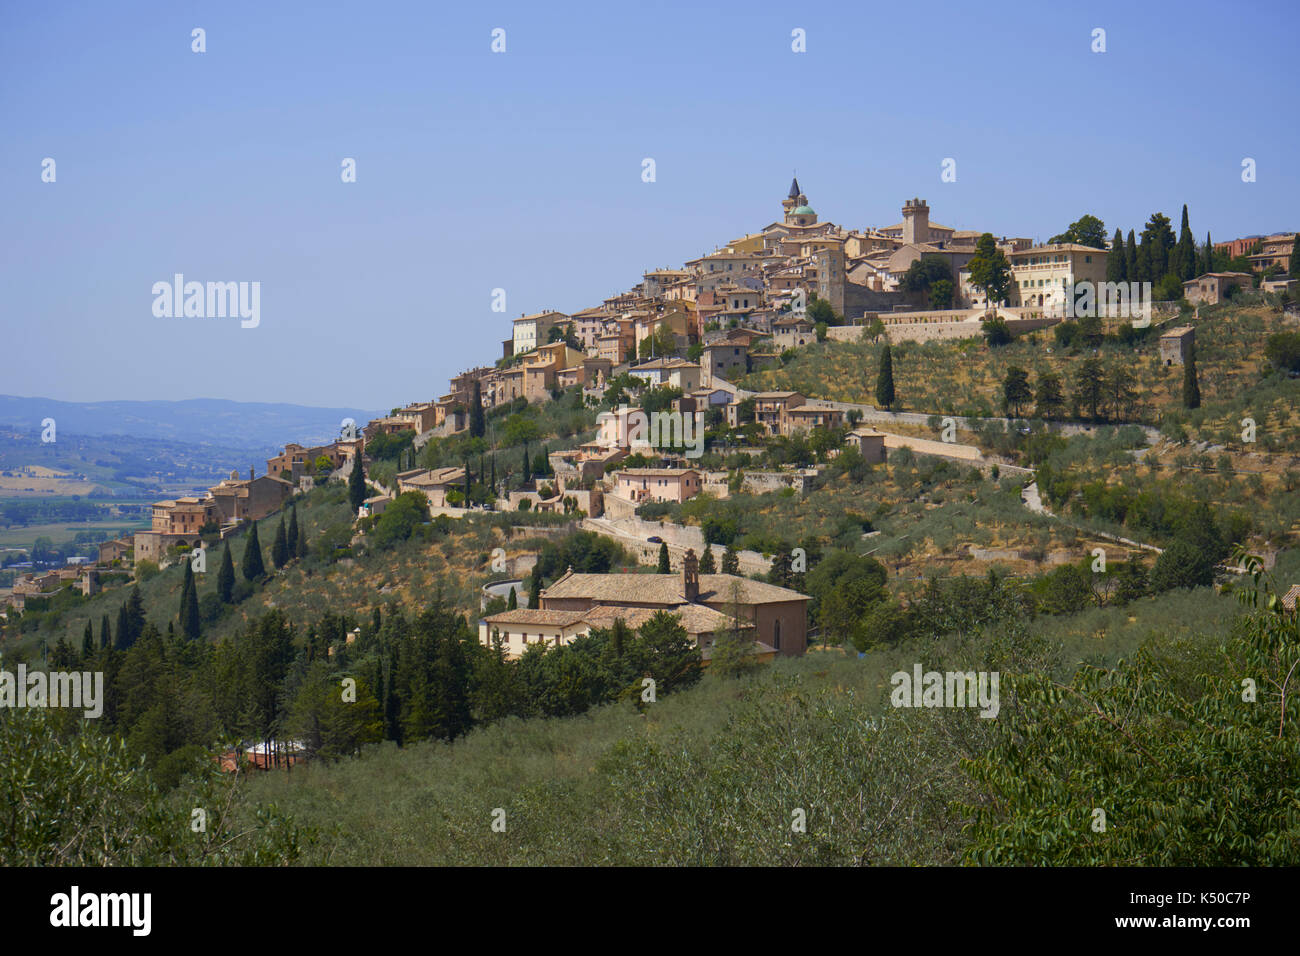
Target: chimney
(691, 575)
(251, 476)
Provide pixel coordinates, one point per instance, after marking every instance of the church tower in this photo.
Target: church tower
(797, 212)
(691, 576)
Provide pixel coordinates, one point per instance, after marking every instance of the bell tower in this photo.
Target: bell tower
(691, 576)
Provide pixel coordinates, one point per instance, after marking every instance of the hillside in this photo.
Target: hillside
(965, 377)
(711, 775)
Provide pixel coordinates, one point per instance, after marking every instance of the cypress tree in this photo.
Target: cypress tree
(252, 566)
(105, 633)
(730, 561)
(1115, 260)
(885, 379)
(665, 566)
(187, 585)
(708, 565)
(1191, 387)
(1185, 256)
(301, 550)
(190, 612)
(468, 480)
(1207, 256)
(357, 484)
(477, 425)
(512, 602)
(1131, 258)
(280, 546)
(535, 591)
(1293, 267)
(293, 533)
(226, 576)
(88, 640)
(527, 474)
(123, 630)
(493, 486)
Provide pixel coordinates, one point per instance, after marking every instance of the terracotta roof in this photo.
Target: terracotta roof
(658, 472)
(664, 589)
(528, 615)
(1289, 598)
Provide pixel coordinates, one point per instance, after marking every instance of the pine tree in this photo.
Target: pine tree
(1089, 387)
(252, 566)
(477, 424)
(708, 565)
(1131, 258)
(1185, 256)
(357, 484)
(885, 379)
(1144, 268)
(293, 533)
(665, 567)
(1115, 261)
(1191, 386)
(280, 546)
(730, 561)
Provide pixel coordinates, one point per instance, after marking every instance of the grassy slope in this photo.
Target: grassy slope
(616, 786)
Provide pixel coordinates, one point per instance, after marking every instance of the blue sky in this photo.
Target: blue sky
(523, 170)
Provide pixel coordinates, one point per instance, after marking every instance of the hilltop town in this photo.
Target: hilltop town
(678, 349)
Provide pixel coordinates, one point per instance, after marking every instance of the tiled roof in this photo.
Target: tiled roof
(528, 615)
(665, 589)
(1289, 598)
(657, 472)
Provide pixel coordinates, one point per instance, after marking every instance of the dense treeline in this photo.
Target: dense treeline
(342, 684)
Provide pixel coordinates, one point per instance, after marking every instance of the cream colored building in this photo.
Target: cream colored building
(1041, 276)
(530, 331)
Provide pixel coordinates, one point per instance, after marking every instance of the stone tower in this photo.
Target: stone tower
(691, 576)
(830, 276)
(916, 221)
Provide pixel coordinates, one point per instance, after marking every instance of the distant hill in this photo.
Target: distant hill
(197, 421)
